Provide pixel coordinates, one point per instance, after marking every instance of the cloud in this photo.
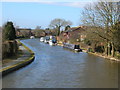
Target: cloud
(75, 4)
(20, 0)
(47, 1)
(57, 0)
(70, 3)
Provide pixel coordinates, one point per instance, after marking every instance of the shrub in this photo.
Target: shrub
(9, 48)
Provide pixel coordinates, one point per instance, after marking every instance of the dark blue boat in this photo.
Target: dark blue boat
(72, 47)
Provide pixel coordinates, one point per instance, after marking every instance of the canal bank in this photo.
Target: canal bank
(24, 59)
(105, 56)
(97, 54)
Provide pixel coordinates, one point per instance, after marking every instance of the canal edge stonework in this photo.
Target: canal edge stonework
(96, 54)
(20, 64)
(103, 56)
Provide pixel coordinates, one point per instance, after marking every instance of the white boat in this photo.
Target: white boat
(31, 37)
(42, 39)
(52, 41)
(47, 38)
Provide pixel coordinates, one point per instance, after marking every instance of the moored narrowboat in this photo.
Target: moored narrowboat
(72, 47)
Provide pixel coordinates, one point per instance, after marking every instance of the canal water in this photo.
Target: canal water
(55, 67)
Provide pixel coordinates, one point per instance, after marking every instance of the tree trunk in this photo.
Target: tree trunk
(113, 50)
(58, 30)
(108, 49)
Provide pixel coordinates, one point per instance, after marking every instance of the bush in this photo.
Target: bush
(117, 54)
(9, 48)
(99, 49)
(90, 50)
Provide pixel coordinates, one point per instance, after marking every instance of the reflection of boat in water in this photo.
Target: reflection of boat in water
(72, 47)
(31, 37)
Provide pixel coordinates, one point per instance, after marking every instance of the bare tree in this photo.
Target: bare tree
(59, 23)
(38, 27)
(102, 15)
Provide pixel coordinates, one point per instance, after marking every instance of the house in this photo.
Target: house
(74, 34)
(23, 32)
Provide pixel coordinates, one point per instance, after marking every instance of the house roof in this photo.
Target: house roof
(75, 28)
(24, 29)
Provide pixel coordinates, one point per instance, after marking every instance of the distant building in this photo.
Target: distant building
(48, 32)
(23, 31)
(74, 34)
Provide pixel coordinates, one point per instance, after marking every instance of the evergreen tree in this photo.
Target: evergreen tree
(9, 31)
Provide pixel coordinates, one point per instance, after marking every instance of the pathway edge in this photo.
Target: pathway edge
(20, 64)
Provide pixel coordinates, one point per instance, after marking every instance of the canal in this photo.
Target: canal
(55, 67)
